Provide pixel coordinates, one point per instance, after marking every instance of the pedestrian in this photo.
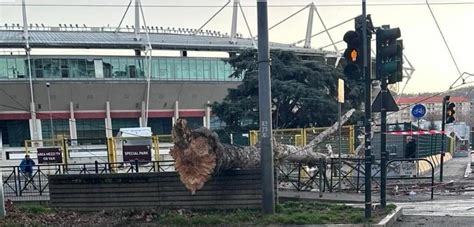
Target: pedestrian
(26, 167)
(410, 149)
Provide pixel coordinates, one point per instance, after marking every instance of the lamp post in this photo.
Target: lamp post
(50, 113)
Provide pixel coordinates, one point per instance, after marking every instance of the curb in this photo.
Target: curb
(390, 219)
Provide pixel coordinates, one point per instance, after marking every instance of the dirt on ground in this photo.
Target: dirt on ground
(40, 216)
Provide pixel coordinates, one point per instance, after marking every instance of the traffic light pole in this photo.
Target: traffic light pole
(368, 113)
(264, 94)
(443, 127)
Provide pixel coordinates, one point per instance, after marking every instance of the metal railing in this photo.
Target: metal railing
(19, 185)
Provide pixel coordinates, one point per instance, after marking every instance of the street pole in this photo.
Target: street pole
(340, 144)
(443, 127)
(368, 114)
(264, 94)
(50, 113)
(383, 144)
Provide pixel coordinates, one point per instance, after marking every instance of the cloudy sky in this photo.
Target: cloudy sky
(424, 46)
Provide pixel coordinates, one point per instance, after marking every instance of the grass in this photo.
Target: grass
(34, 209)
(295, 213)
(288, 213)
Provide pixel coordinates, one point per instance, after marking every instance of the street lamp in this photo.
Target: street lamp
(50, 113)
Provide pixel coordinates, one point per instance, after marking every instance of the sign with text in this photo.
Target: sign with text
(50, 155)
(136, 152)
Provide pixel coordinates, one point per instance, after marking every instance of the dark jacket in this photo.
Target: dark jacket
(26, 166)
(410, 150)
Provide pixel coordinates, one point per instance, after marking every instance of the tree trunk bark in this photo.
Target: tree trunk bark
(198, 154)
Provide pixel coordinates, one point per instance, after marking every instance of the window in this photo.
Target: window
(194, 122)
(38, 68)
(90, 128)
(14, 132)
(64, 68)
(61, 129)
(3, 68)
(160, 126)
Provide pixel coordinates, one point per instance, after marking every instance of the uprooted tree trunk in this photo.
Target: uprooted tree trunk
(198, 154)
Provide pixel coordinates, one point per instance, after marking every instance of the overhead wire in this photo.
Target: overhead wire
(246, 6)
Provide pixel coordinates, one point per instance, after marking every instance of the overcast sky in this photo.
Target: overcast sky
(424, 46)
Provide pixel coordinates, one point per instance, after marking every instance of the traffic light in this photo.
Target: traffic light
(389, 55)
(450, 113)
(353, 55)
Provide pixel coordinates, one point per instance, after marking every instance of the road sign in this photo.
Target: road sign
(418, 111)
(49, 155)
(387, 102)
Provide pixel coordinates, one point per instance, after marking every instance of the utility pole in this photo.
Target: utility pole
(368, 113)
(443, 128)
(264, 94)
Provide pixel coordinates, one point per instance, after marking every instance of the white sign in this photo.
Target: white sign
(408, 169)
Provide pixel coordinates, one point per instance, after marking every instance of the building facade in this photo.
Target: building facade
(93, 96)
(434, 107)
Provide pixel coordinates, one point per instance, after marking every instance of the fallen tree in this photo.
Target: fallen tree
(198, 154)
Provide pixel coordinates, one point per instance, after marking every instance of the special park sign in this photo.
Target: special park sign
(136, 152)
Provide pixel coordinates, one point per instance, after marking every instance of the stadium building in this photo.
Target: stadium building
(84, 96)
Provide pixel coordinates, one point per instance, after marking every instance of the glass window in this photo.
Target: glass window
(179, 69)
(90, 68)
(14, 132)
(220, 70)
(3, 68)
(192, 68)
(185, 68)
(155, 68)
(163, 69)
(90, 128)
(207, 70)
(160, 126)
(38, 66)
(64, 68)
(194, 122)
(55, 68)
(61, 129)
(116, 72)
(47, 70)
(171, 72)
(20, 67)
(107, 67)
(119, 123)
(81, 68)
(74, 68)
(11, 68)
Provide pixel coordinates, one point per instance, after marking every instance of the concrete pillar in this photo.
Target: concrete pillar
(108, 121)
(207, 117)
(72, 122)
(143, 115)
(176, 111)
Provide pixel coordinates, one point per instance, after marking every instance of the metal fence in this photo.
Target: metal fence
(303, 136)
(18, 185)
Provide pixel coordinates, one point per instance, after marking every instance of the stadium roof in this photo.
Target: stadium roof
(99, 38)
